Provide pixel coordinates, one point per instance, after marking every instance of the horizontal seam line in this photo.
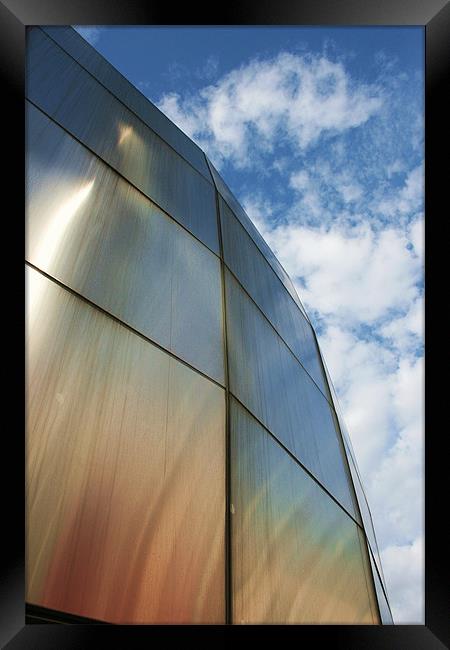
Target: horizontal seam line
(277, 333)
(302, 311)
(351, 460)
(121, 322)
(171, 354)
(141, 119)
(94, 305)
(160, 347)
(116, 171)
(211, 181)
(299, 462)
(153, 202)
(38, 611)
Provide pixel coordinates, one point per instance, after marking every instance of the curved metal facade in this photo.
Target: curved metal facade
(186, 458)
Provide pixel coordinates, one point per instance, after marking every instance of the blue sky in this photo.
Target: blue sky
(319, 134)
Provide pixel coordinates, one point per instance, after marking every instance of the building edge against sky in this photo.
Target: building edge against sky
(184, 442)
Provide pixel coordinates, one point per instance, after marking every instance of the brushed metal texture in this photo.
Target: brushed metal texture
(75, 99)
(125, 463)
(97, 234)
(297, 557)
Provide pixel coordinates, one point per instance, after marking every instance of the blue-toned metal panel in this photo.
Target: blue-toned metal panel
(258, 278)
(249, 226)
(93, 231)
(268, 379)
(69, 39)
(74, 99)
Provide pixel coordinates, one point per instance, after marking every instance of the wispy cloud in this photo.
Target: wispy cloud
(209, 69)
(343, 211)
(404, 565)
(363, 290)
(353, 275)
(290, 97)
(406, 199)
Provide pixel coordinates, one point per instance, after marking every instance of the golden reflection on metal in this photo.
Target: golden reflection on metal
(71, 96)
(51, 239)
(123, 522)
(296, 555)
(124, 132)
(60, 222)
(120, 251)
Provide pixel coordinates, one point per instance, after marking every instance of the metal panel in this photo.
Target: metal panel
(89, 58)
(356, 477)
(71, 96)
(257, 276)
(386, 616)
(254, 233)
(123, 522)
(365, 513)
(296, 556)
(91, 230)
(267, 378)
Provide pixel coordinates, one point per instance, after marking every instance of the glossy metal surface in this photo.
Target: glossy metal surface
(296, 555)
(268, 379)
(64, 90)
(365, 512)
(90, 59)
(125, 444)
(96, 233)
(254, 233)
(124, 471)
(386, 616)
(257, 276)
(356, 477)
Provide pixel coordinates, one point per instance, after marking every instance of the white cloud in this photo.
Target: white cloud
(185, 120)
(350, 235)
(411, 194)
(406, 332)
(382, 404)
(395, 485)
(363, 373)
(349, 189)
(404, 570)
(416, 235)
(300, 180)
(355, 275)
(342, 181)
(395, 168)
(290, 97)
(260, 210)
(310, 203)
(408, 199)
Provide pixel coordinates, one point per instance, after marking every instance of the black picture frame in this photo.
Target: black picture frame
(434, 16)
